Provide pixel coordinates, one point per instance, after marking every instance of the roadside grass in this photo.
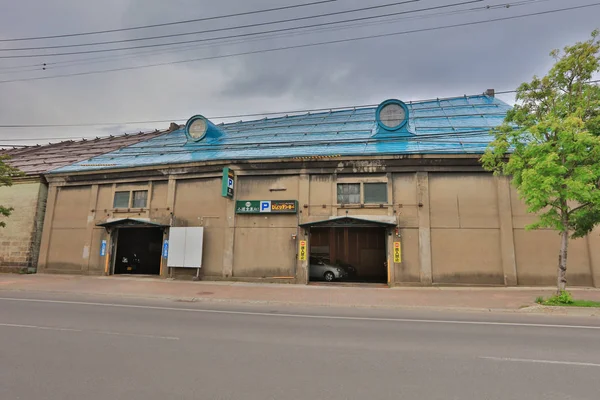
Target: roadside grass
(566, 300)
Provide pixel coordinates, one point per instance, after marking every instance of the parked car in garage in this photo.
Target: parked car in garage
(319, 269)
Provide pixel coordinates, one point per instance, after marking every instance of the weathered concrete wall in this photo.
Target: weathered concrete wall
(465, 228)
(465, 231)
(264, 247)
(38, 226)
(594, 252)
(69, 251)
(537, 252)
(19, 241)
(406, 205)
(409, 270)
(198, 202)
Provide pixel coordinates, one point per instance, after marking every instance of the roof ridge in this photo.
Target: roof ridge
(335, 110)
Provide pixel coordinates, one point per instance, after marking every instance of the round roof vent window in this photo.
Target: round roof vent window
(196, 128)
(392, 115)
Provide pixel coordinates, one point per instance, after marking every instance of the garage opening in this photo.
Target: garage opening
(138, 251)
(136, 246)
(348, 249)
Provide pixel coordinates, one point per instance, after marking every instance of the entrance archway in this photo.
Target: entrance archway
(348, 249)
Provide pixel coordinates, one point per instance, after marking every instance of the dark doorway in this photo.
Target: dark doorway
(139, 251)
(359, 251)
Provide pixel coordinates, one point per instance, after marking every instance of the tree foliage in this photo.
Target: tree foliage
(7, 173)
(550, 145)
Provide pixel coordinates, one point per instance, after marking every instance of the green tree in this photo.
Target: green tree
(7, 173)
(550, 145)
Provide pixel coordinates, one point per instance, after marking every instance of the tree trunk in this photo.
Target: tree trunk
(562, 262)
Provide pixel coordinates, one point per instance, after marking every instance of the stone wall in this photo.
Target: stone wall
(20, 239)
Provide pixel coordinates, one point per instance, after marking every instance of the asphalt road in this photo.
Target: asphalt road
(74, 347)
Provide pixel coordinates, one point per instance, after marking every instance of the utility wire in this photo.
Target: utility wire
(281, 21)
(211, 118)
(100, 59)
(140, 149)
(263, 24)
(474, 23)
(91, 60)
(240, 35)
(169, 23)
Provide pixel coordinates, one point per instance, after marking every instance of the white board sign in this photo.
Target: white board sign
(185, 247)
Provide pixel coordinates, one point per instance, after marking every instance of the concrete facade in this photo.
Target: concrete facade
(456, 223)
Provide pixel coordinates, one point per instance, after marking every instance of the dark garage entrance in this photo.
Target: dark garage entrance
(138, 251)
(136, 246)
(356, 246)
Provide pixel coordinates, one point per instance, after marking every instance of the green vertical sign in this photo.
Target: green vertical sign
(228, 183)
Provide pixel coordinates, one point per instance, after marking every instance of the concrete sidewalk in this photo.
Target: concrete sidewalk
(507, 299)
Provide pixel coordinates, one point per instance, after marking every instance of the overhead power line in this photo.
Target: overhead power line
(254, 25)
(108, 58)
(222, 117)
(260, 114)
(296, 19)
(239, 35)
(307, 45)
(53, 65)
(169, 23)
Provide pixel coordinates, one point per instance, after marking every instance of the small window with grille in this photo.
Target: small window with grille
(140, 199)
(348, 193)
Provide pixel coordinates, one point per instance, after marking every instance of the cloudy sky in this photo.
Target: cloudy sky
(426, 64)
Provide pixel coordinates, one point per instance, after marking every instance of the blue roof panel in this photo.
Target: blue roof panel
(446, 126)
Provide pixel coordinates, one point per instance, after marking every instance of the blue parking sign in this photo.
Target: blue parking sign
(166, 249)
(265, 206)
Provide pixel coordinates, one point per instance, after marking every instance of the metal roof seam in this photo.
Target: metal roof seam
(452, 125)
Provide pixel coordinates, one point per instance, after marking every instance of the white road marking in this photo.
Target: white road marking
(524, 360)
(52, 328)
(45, 328)
(307, 316)
(136, 335)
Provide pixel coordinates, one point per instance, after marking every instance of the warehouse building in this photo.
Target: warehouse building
(20, 239)
(390, 194)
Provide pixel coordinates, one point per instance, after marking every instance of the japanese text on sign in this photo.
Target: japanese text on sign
(397, 253)
(302, 252)
(266, 206)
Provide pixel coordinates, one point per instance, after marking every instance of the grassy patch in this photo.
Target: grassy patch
(566, 300)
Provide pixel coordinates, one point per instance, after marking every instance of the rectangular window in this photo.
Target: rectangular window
(348, 193)
(140, 199)
(375, 193)
(121, 200)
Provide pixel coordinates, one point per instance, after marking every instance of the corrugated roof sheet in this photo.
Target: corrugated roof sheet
(458, 125)
(36, 160)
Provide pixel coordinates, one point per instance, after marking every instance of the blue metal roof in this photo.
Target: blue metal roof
(458, 125)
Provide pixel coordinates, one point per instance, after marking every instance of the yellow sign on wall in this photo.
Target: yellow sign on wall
(397, 253)
(302, 251)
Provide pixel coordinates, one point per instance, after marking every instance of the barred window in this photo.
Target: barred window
(348, 193)
(140, 199)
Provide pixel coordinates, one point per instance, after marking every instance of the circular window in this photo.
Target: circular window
(196, 128)
(392, 114)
